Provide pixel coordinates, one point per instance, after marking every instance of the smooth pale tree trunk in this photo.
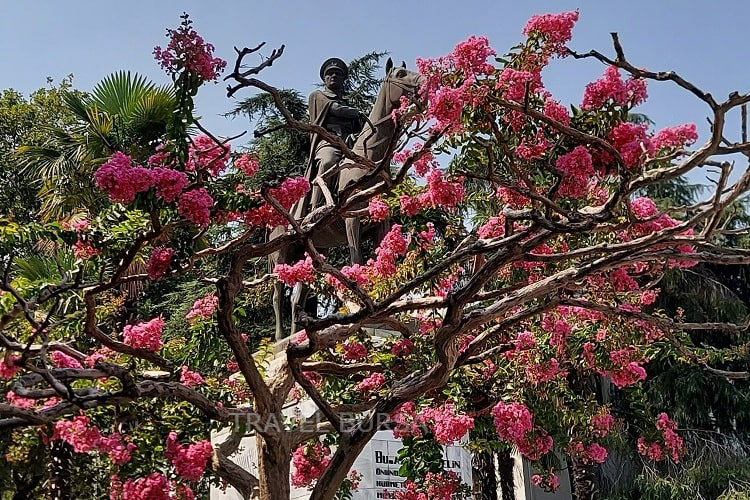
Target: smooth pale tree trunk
(274, 461)
(60, 457)
(505, 465)
(483, 474)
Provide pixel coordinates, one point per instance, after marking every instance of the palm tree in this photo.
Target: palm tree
(124, 112)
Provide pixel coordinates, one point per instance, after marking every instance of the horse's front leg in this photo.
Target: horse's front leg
(278, 297)
(354, 239)
(299, 298)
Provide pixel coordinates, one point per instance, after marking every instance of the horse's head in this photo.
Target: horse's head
(401, 82)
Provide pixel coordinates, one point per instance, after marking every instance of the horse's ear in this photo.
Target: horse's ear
(388, 66)
(403, 64)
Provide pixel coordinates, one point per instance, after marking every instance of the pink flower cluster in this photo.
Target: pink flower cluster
(540, 373)
(411, 492)
(158, 263)
(309, 461)
(402, 348)
(84, 250)
(202, 309)
(123, 181)
(670, 444)
(145, 335)
(441, 485)
(533, 149)
(673, 444)
(578, 169)
(195, 205)
(447, 426)
(247, 164)
(516, 83)
(187, 50)
(206, 154)
(393, 246)
(439, 193)
(371, 383)
(190, 378)
(513, 422)
(611, 88)
(8, 368)
(447, 96)
(378, 209)
(299, 272)
(555, 29)
(78, 433)
(353, 351)
(676, 137)
(602, 424)
(155, 486)
(493, 228)
(62, 360)
(425, 162)
(407, 421)
(291, 190)
(627, 367)
(118, 451)
(594, 453)
(632, 142)
(548, 482)
(189, 460)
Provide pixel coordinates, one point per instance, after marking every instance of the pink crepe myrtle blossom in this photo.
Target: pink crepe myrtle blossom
(676, 137)
(78, 432)
(84, 250)
(62, 360)
(205, 153)
(353, 351)
(190, 378)
(446, 425)
(371, 383)
(407, 421)
(189, 460)
(121, 179)
(169, 183)
(302, 271)
(202, 309)
(378, 209)
(195, 206)
(188, 51)
(548, 482)
(610, 88)
(309, 462)
(155, 486)
(402, 348)
(555, 29)
(602, 424)
(118, 450)
(8, 367)
(247, 164)
(158, 263)
(144, 335)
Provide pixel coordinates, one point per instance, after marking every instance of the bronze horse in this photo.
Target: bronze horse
(371, 143)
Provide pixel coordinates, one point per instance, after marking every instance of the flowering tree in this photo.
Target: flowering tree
(502, 322)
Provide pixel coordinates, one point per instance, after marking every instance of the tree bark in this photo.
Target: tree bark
(584, 481)
(505, 465)
(483, 474)
(60, 456)
(274, 460)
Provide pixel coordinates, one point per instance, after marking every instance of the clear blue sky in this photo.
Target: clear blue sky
(704, 41)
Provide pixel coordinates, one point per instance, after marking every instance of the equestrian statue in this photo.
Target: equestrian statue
(369, 137)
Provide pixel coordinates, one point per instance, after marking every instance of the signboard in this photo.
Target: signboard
(378, 464)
